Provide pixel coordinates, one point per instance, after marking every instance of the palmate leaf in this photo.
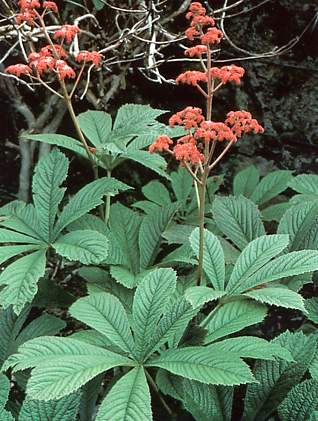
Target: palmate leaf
(128, 400)
(169, 384)
(198, 363)
(62, 365)
(20, 278)
(87, 199)
(213, 257)
(270, 186)
(245, 181)
(149, 303)
(64, 409)
(301, 223)
(4, 390)
(233, 317)
(275, 212)
(150, 233)
(238, 218)
(49, 174)
(276, 378)
(300, 403)
(124, 225)
(96, 126)
(255, 255)
(282, 297)
(86, 246)
(290, 264)
(251, 347)
(181, 183)
(105, 313)
(311, 305)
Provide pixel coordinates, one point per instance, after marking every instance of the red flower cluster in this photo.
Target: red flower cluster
(188, 152)
(210, 131)
(160, 144)
(89, 56)
(198, 50)
(28, 13)
(228, 73)
(67, 33)
(191, 77)
(212, 36)
(19, 69)
(64, 70)
(190, 117)
(242, 122)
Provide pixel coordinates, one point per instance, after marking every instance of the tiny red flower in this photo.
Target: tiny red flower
(212, 36)
(191, 32)
(64, 70)
(51, 5)
(89, 56)
(195, 9)
(198, 50)
(45, 64)
(67, 33)
(19, 69)
(191, 77)
(160, 144)
(201, 21)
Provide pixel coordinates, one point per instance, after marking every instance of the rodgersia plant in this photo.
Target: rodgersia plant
(197, 149)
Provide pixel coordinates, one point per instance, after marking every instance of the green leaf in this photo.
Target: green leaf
(64, 409)
(128, 400)
(233, 317)
(63, 365)
(150, 233)
(294, 263)
(255, 255)
(197, 296)
(172, 325)
(276, 378)
(8, 236)
(300, 403)
(198, 363)
(125, 277)
(301, 223)
(251, 347)
(21, 278)
(4, 390)
(207, 402)
(305, 184)
(154, 162)
(271, 185)
(238, 218)
(213, 257)
(313, 367)
(275, 212)
(181, 183)
(87, 199)
(281, 297)
(6, 252)
(105, 313)
(157, 193)
(59, 140)
(86, 246)
(149, 303)
(145, 206)
(178, 233)
(311, 305)
(96, 126)
(245, 181)
(98, 4)
(124, 225)
(49, 174)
